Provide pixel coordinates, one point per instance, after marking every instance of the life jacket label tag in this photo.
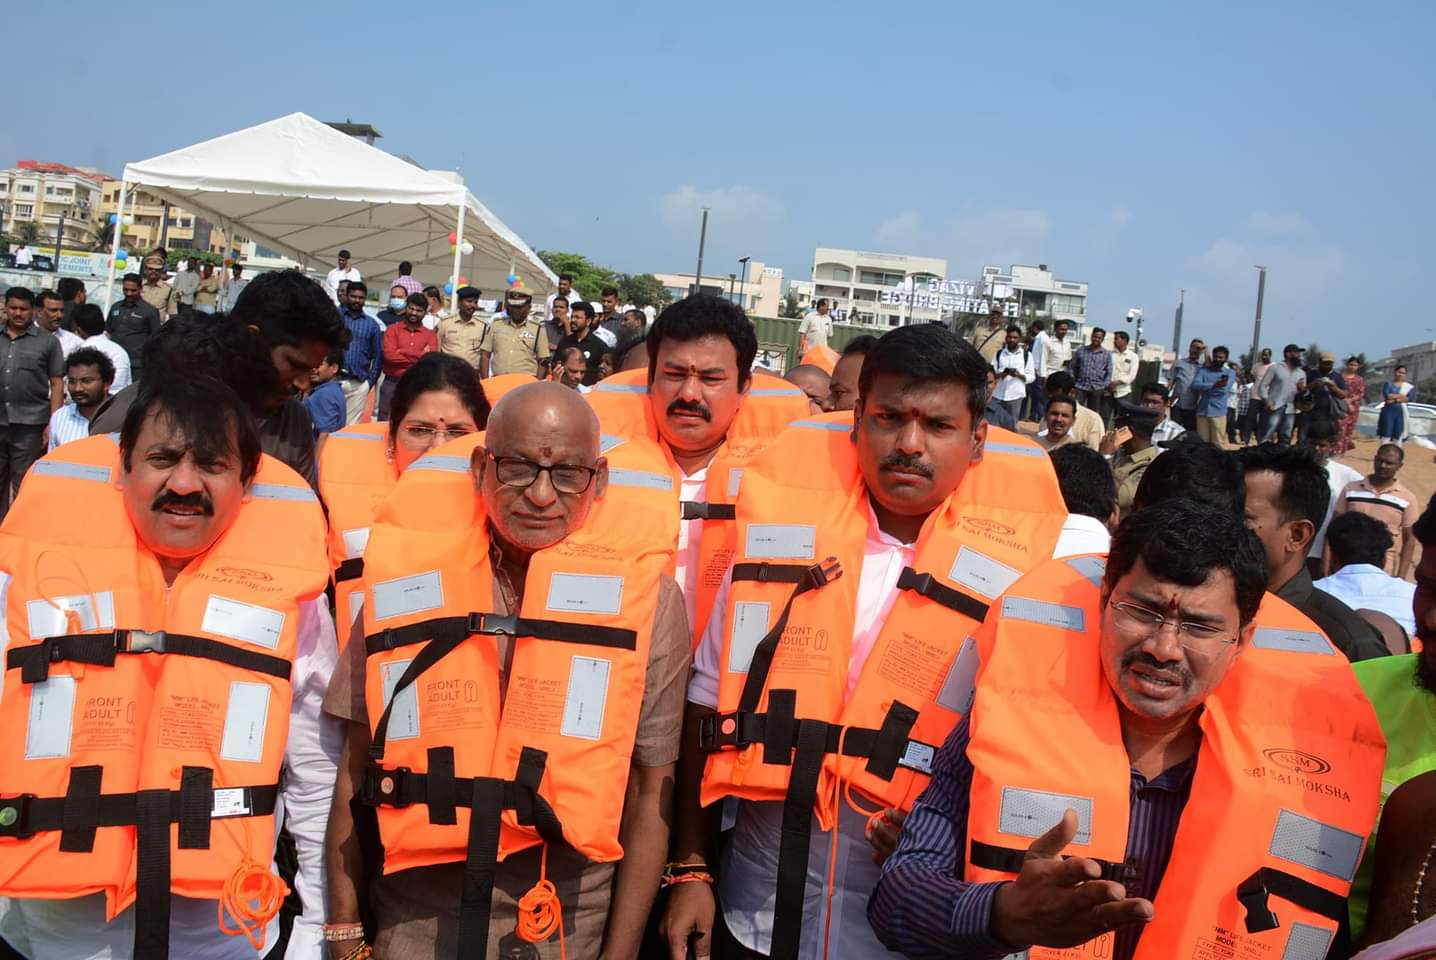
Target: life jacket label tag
(781, 541)
(750, 625)
(1031, 813)
(584, 593)
(1320, 846)
(48, 617)
(355, 542)
(1292, 641)
(406, 595)
(230, 802)
(982, 574)
(1044, 613)
(1306, 942)
(919, 757)
(243, 621)
(961, 683)
(404, 715)
(587, 694)
(52, 712)
(245, 719)
(735, 480)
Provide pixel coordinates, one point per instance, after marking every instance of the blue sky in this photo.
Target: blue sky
(1143, 147)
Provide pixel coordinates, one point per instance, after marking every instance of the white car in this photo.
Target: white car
(1420, 420)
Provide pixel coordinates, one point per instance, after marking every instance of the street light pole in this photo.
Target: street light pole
(1256, 324)
(743, 279)
(702, 238)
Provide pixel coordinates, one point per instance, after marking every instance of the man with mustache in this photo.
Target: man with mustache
(1138, 763)
(704, 404)
(1403, 690)
(869, 545)
(168, 641)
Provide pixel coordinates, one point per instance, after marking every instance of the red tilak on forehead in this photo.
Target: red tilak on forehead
(1172, 604)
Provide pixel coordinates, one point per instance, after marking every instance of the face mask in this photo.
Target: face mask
(397, 304)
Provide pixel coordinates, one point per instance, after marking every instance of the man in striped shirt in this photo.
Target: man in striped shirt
(1381, 495)
(89, 374)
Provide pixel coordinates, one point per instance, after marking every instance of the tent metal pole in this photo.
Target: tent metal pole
(115, 245)
(458, 254)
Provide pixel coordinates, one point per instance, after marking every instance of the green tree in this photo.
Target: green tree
(791, 308)
(27, 231)
(589, 278)
(643, 290)
(104, 237)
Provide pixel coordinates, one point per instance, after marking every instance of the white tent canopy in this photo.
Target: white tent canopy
(308, 191)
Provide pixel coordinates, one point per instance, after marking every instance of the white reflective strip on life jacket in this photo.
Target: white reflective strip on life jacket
(1292, 641)
(602, 387)
(1306, 942)
(982, 574)
(1031, 813)
(277, 491)
(447, 464)
(835, 426)
(640, 478)
(775, 392)
(71, 471)
(1047, 614)
(356, 435)
(1320, 846)
(607, 441)
(1014, 449)
(1092, 569)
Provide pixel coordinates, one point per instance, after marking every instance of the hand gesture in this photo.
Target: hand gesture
(1060, 902)
(884, 834)
(1108, 446)
(689, 916)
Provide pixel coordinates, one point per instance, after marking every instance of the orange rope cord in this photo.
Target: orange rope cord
(844, 786)
(540, 912)
(252, 895)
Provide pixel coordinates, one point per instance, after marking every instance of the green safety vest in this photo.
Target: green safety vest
(1407, 714)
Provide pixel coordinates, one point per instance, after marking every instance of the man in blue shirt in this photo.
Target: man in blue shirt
(1092, 369)
(325, 400)
(1213, 385)
(365, 356)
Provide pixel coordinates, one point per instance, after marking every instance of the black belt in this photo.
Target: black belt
(1010, 859)
(486, 798)
(351, 569)
(83, 810)
(101, 649)
(697, 510)
(442, 635)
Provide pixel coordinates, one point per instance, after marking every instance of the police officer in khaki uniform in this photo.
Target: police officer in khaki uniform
(514, 341)
(1129, 445)
(156, 291)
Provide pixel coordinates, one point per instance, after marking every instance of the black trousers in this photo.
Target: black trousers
(20, 445)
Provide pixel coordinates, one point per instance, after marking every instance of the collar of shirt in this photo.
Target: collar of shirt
(1297, 590)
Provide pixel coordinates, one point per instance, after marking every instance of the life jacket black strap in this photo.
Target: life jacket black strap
(698, 510)
(1254, 892)
(442, 635)
(101, 649)
(83, 810)
(1010, 859)
(812, 577)
(926, 585)
(886, 748)
(486, 798)
(351, 569)
(796, 837)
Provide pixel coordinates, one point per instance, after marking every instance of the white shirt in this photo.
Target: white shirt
(332, 278)
(431, 321)
(817, 328)
(748, 881)
(1012, 388)
(1363, 587)
(1080, 535)
(1124, 371)
(23, 256)
(1338, 475)
(76, 929)
(117, 355)
(1055, 354)
(687, 562)
(67, 424)
(572, 297)
(1168, 429)
(69, 343)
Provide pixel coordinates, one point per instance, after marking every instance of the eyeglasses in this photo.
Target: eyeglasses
(566, 477)
(422, 435)
(1142, 622)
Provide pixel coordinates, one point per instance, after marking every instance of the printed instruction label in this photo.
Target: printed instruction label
(52, 711)
(48, 617)
(230, 802)
(356, 541)
(587, 693)
(791, 541)
(404, 714)
(584, 593)
(406, 595)
(245, 719)
(982, 574)
(243, 621)
(750, 625)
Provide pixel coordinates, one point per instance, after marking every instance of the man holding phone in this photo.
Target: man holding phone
(1213, 385)
(1328, 393)
(1012, 365)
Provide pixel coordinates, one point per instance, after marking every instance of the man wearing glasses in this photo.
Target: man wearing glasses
(576, 548)
(1144, 766)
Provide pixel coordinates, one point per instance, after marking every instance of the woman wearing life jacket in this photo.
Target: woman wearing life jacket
(437, 399)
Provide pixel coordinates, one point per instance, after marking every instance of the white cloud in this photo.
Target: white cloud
(682, 207)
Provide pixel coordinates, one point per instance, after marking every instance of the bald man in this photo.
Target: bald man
(812, 380)
(542, 479)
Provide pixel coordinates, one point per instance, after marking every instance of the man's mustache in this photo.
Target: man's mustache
(1174, 672)
(169, 499)
(910, 462)
(690, 406)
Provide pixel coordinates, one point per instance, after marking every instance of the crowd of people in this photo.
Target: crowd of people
(425, 634)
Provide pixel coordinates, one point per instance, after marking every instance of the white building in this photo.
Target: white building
(47, 194)
(1038, 292)
(854, 283)
(760, 293)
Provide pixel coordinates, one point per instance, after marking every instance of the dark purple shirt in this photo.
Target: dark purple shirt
(925, 910)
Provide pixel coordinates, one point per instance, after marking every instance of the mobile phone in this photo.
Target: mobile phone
(1123, 435)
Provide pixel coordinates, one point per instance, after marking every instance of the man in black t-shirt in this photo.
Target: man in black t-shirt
(584, 339)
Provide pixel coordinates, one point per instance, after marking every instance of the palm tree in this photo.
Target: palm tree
(27, 232)
(104, 237)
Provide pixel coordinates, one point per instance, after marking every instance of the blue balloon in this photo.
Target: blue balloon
(448, 288)
(112, 218)
(122, 254)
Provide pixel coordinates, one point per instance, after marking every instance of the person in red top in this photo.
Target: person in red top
(404, 343)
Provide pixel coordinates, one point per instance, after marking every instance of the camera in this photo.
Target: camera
(1134, 315)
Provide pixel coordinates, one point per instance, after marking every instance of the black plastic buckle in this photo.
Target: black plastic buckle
(718, 731)
(919, 583)
(140, 641)
(15, 817)
(492, 624)
(1253, 895)
(822, 574)
(389, 787)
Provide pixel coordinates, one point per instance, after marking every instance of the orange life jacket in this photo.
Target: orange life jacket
(621, 402)
(1286, 787)
(141, 775)
(824, 357)
(355, 475)
(786, 727)
(460, 771)
(496, 387)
